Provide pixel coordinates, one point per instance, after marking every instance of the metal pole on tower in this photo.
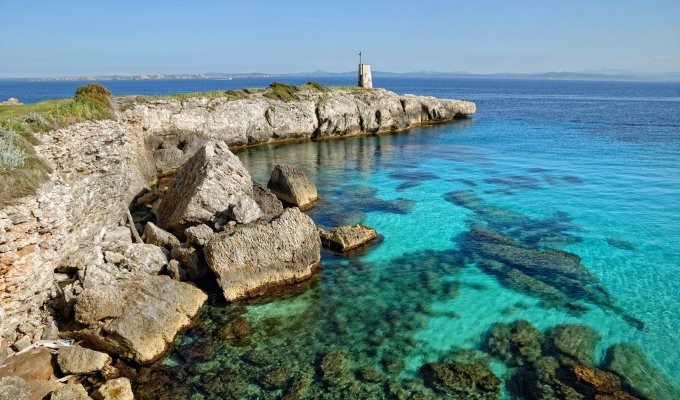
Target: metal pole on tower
(359, 58)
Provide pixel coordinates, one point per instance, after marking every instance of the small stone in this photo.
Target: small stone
(79, 360)
(115, 389)
(345, 238)
(199, 235)
(175, 270)
(14, 388)
(22, 343)
(70, 392)
(159, 237)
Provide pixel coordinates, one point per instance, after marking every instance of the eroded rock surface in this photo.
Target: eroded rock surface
(292, 186)
(345, 238)
(253, 257)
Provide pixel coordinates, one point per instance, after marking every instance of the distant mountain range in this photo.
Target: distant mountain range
(604, 75)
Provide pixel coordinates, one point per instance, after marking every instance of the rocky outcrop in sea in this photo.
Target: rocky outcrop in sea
(72, 259)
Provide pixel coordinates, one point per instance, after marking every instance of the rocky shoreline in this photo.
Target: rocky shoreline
(70, 265)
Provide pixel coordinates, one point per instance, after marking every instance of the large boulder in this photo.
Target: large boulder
(134, 315)
(345, 238)
(211, 184)
(79, 360)
(291, 186)
(253, 257)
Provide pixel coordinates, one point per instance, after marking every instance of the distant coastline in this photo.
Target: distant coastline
(632, 76)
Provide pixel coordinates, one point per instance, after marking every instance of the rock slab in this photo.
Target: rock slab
(345, 238)
(253, 257)
(291, 186)
(79, 360)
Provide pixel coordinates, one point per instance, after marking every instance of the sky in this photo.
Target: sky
(75, 37)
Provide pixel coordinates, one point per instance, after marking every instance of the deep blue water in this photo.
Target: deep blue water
(591, 168)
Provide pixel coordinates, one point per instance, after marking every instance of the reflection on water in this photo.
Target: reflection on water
(479, 232)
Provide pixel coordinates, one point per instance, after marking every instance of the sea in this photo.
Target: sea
(582, 168)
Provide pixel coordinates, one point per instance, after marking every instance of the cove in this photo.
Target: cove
(365, 325)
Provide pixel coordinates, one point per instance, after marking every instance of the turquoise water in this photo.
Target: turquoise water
(588, 177)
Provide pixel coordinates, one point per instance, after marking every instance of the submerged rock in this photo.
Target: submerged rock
(253, 257)
(212, 182)
(291, 186)
(620, 243)
(516, 343)
(638, 374)
(345, 238)
(598, 384)
(136, 316)
(79, 360)
(335, 367)
(470, 381)
(572, 344)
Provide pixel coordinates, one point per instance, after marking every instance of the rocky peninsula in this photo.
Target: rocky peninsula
(72, 267)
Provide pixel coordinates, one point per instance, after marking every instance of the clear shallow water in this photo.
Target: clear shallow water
(595, 165)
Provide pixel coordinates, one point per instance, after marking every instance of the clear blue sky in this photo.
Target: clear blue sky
(47, 38)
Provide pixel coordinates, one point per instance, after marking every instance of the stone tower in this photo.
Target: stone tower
(365, 79)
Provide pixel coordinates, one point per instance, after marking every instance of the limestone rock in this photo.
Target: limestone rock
(210, 183)
(14, 388)
(191, 260)
(79, 360)
(115, 389)
(269, 204)
(199, 235)
(291, 186)
(158, 237)
(345, 238)
(12, 101)
(256, 256)
(81, 258)
(138, 257)
(70, 392)
(136, 316)
(22, 343)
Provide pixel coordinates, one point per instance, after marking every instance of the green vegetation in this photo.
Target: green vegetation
(276, 90)
(21, 170)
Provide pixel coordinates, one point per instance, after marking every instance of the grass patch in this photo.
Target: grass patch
(21, 170)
